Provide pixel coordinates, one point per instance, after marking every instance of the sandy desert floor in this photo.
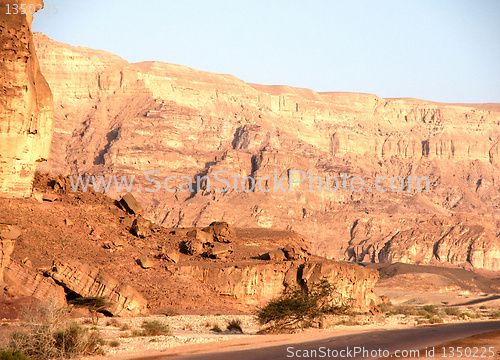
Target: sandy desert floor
(194, 334)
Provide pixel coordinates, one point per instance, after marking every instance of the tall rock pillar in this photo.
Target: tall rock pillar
(26, 109)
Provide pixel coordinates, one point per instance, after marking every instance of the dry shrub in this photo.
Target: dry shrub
(155, 328)
(49, 334)
(234, 325)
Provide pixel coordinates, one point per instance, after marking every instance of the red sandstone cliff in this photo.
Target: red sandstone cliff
(26, 112)
(113, 117)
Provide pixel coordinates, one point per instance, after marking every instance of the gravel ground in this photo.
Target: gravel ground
(196, 329)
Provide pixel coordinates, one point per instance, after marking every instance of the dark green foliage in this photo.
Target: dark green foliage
(301, 306)
(95, 305)
(13, 355)
(114, 343)
(495, 315)
(216, 328)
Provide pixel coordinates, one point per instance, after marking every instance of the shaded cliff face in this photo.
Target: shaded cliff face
(26, 112)
(117, 118)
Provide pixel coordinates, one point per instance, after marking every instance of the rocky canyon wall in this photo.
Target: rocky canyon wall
(116, 118)
(258, 284)
(26, 112)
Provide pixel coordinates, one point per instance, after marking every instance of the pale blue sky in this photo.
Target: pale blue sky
(440, 50)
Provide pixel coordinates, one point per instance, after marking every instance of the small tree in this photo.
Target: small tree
(95, 305)
(301, 306)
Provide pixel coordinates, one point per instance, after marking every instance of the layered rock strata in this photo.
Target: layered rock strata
(256, 284)
(116, 118)
(84, 280)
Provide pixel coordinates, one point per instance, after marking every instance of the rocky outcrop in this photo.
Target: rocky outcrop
(459, 240)
(257, 284)
(26, 110)
(30, 282)
(25, 280)
(88, 281)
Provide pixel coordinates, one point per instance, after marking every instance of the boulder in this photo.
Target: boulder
(191, 247)
(221, 231)
(131, 205)
(201, 235)
(219, 250)
(6, 248)
(172, 257)
(275, 255)
(9, 232)
(90, 281)
(141, 227)
(290, 253)
(145, 263)
(295, 253)
(50, 197)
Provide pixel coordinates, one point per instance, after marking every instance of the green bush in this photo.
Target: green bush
(114, 343)
(114, 322)
(404, 310)
(348, 322)
(452, 311)
(216, 329)
(13, 355)
(435, 319)
(95, 305)
(431, 309)
(467, 314)
(125, 327)
(155, 328)
(301, 306)
(495, 315)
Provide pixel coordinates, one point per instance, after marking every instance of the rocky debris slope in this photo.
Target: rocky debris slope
(116, 118)
(26, 111)
(226, 273)
(69, 278)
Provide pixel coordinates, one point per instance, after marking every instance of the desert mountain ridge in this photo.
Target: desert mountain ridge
(112, 117)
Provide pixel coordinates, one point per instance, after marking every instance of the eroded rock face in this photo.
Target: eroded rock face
(117, 118)
(32, 283)
(21, 277)
(89, 281)
(26, 110)
(258, 284)
(6, 248)
(460, 240)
